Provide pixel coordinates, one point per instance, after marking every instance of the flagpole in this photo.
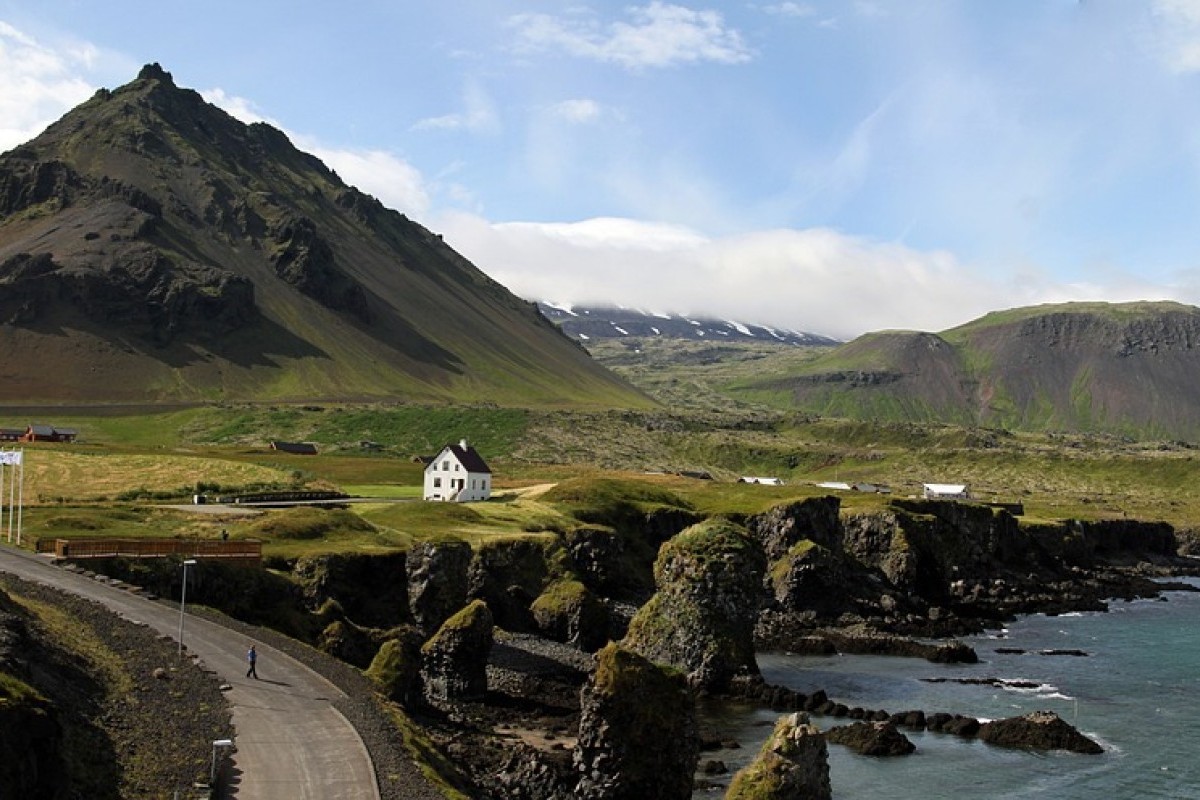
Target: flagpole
(2, 463)
(20, 499)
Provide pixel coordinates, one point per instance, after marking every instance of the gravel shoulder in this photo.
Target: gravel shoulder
(157, 726)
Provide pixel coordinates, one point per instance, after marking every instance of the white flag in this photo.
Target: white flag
(11, 457)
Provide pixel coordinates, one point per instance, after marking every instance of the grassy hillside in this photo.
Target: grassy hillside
(110, 485)
(1128, 369)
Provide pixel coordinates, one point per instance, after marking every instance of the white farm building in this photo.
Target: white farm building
(458, 474)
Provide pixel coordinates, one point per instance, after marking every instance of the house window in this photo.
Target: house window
(446, 466)
(456, 467)
(437, 483)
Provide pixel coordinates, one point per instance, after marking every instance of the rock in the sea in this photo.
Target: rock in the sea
(872, 739)
(793, 763)
(1039, 730)
(454, 660)
(637, 731)
(701, 619)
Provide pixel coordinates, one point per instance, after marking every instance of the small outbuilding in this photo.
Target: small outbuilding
(458, 474)
(945, 491)
(761, 480)
(295, 448)
(48, 433)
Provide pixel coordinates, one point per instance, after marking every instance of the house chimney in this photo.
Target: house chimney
(462, 443)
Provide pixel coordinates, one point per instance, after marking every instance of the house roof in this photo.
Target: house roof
(299, 448)
(946, 488)
(467, 456)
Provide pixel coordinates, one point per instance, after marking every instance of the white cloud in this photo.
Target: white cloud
(658, 35)
(478, 114)
(579, 111)
(237, 107)
(1179, 34)
(818, 279)
(396, 183)
(796, 10)
(39, 84)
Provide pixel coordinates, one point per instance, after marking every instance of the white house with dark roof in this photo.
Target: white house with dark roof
(458, 474)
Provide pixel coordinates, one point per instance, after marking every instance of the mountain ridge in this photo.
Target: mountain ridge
(585, 323)
(154, 248)
(1123, 368)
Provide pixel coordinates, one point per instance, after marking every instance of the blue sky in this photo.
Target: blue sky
(836, 167)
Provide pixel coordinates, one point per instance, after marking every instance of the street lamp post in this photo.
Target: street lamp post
(212, 776)
(189, 562)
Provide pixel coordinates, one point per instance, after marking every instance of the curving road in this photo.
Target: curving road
(291, 742)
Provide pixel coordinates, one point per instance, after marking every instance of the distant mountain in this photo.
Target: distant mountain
(587, 323)
(154, 249)
(1130, 368)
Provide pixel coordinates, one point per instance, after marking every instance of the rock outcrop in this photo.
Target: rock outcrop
(567, 611)
(454, 660)
(701, 619)
(509, 576)
(396, 668)
(437, 581)
(872, 739)
(637, 731)
(1039, 730)
(793, 763)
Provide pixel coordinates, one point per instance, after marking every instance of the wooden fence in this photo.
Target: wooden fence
(151, 548)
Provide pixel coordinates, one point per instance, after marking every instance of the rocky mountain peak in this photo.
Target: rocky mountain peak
(200, 257)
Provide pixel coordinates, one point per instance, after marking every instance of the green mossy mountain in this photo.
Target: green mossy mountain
(1127, 369)
(155, 249)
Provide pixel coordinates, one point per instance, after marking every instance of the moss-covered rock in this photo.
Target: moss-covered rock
(782, 527)
(568, 612)
(701, 619)
(396, 668)
(637, 731)
(454, 660)
(793, 763)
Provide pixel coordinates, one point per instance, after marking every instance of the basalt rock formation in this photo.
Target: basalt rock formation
(940, 568)
(1039, 730)
(437, 581)
(454, 660)
(792, 763)
(872, 739)
(701, 619)
(637, 731)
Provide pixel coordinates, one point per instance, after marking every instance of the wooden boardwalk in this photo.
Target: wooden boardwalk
(241, 551)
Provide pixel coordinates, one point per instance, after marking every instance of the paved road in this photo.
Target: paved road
(291, 742)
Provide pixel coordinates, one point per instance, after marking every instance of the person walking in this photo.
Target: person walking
(252, 660)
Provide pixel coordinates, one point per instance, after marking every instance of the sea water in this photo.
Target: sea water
(1136, 692)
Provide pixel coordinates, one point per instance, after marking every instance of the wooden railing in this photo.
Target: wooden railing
(151, 548)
